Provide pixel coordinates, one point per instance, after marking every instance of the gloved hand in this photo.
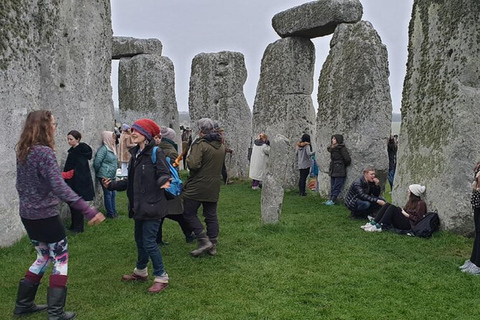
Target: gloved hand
(67, 175)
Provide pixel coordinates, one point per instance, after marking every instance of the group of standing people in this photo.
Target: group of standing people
(41, 186)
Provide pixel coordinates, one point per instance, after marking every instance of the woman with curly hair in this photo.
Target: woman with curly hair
(40, 188)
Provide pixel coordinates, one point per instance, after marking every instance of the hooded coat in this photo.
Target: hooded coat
(77, 160)
(205, 162)
(339, 158)
(258, 160)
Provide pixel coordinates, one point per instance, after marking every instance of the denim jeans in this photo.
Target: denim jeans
(365, 208)
(336, 186)
(109, 200)
(147, 248)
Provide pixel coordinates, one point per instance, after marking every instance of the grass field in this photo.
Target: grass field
(315, 264)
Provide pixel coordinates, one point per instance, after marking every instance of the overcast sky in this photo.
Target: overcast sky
(189, 27)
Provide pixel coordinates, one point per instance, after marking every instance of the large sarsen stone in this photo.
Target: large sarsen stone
(216, 92)
(354, 100)
(316, 18)
(438, 143)
(146, 87)
(283, 102)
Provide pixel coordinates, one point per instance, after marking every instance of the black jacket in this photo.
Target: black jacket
(77, 160)
(363, 190)
(146, 201)
(339, 158)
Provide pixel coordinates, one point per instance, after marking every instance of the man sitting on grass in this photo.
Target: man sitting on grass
(363, 196)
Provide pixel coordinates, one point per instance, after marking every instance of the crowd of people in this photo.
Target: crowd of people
(144, 157)
(41, 186)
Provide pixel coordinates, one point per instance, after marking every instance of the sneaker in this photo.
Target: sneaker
(467, 264)
(370, 218)
(134, 277)
(329, 203)
(472, 269)
(373, 228)
(255, 188)
(367, 225)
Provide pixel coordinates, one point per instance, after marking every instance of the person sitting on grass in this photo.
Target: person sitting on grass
(405, 218)
(363, 197)
(147, 203)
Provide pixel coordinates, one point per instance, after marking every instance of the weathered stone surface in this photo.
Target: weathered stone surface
(146, 89)
(438, 143)
(283, 102)
(127, 47)
(216, 92)
(316, 18)
(274, 179)
(354, 100)
(49, 59)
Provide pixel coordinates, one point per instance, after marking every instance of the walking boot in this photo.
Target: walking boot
(56, 302)
(204, 244)
(213, 250)
(25, 299)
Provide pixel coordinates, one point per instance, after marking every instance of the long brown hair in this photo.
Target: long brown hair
(37, 130)
(412, 202)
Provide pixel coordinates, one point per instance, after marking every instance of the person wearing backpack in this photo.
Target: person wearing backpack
(405, 218)
(472, 265)
(165, 141)
(205, 161)
(147, 202)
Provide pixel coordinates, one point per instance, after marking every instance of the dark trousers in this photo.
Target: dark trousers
(77, 220)
(187, 231)
(302, 182)
(336, 186)
(190, 209)
(475, 258)
(392, 216)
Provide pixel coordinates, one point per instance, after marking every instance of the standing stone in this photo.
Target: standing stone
(54, 55)
(216, 92)
(438, 143)
(316, 18)
(283, 102)
(354, 100)
(127, 47)
(146, 89)
(275, 178)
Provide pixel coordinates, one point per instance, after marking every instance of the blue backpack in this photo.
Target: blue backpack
(176, 183)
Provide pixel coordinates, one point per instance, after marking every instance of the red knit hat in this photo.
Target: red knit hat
(147, 128)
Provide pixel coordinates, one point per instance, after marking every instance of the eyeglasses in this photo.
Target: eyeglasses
(54, 124)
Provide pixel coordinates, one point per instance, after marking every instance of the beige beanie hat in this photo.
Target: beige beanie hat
(416, 189)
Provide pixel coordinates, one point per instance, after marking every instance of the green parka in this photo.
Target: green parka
(205, 162)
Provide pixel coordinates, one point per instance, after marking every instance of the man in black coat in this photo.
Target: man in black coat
(363, 197)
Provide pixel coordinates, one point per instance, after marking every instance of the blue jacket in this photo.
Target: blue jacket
(105, 163)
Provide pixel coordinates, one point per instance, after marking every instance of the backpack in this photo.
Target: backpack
(176, 183)
(428, 225)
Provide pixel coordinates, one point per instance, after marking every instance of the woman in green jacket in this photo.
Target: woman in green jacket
(105, 165)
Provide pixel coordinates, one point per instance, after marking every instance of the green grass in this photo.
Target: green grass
(316, 263)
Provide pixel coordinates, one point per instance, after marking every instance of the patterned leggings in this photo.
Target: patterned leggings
(47, 253)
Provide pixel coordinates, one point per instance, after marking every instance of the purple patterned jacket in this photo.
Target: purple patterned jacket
(40, 187)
